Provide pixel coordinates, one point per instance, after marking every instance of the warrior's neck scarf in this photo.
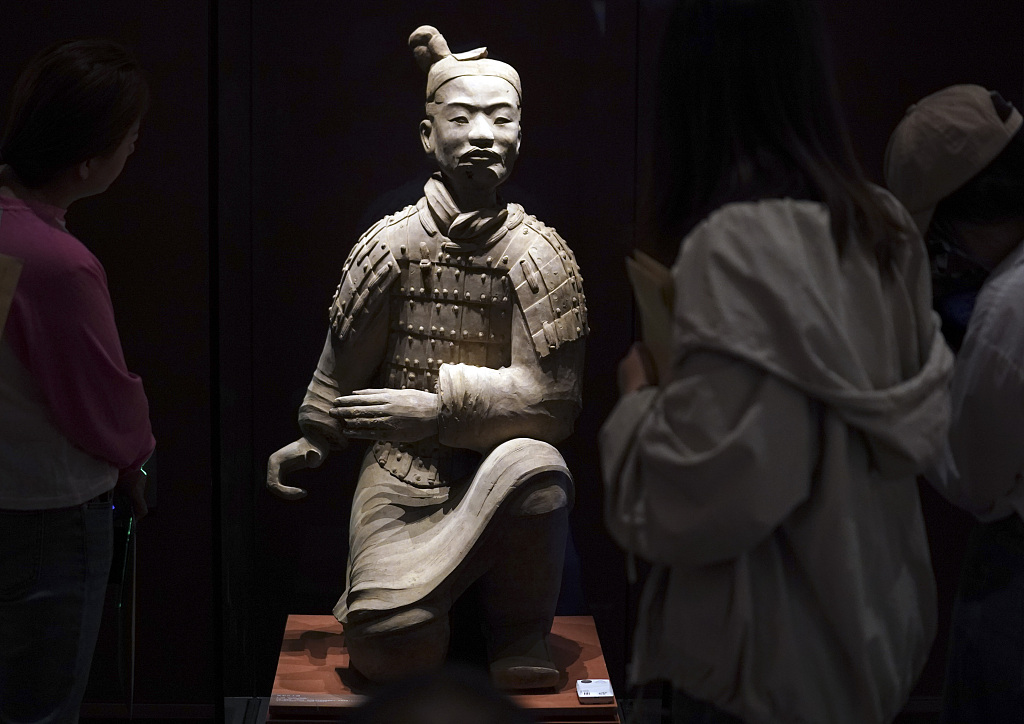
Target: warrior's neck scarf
(455, 224)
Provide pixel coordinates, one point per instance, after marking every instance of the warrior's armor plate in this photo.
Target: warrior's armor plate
(449, 302)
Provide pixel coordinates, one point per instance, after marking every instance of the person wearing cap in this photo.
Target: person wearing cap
(956, 160)
(456, 346)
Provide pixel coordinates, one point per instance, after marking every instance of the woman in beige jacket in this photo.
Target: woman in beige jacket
(770, 479)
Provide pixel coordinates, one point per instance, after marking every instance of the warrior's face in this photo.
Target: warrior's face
(473, 131)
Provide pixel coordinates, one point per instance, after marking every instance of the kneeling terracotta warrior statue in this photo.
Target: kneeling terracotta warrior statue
(456, 345)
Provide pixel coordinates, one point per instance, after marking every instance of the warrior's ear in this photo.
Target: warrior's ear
(426, 135)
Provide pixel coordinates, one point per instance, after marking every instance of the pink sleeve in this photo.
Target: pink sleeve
(75, 354)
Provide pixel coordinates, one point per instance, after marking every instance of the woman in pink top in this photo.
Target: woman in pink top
(74, 422)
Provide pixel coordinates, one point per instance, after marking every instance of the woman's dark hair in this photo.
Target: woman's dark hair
(74, 100)
(747, 110)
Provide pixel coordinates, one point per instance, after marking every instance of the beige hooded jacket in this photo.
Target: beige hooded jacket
(771, 480)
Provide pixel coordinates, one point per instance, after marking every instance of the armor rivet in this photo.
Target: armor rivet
(422, 290)
(489, 261)
(415, 363)
(504, 299)
(483, 297)
(504, 260)
(442, 330)
(421, 329)
(483, 277)
(445, 292)
(468, 295)
(451, 344)
(455, 309)
(578, 330)
(410, 327)
(465, 333)
(383, 246)
(502, 315)
(402, 249)
(525, 231)
(480, 335)
(439, 307)
(430, 360)
(398, 456)
(407, 360)
(438, 273)
(457, 271)
(575, 300)
(389, 266)
(433, 327)
(447, 257)
(494, 299)
(558, 310)
(492, 335)
(437, 292)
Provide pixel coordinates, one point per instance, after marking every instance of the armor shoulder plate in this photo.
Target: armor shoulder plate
(548, 285)
(369, 270)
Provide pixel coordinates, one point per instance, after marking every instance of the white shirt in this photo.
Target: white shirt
(982, 470)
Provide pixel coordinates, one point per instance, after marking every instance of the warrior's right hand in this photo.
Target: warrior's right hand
(303, 453)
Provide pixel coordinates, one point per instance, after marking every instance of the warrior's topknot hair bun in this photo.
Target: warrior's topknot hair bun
(441, 65)
(428, 46)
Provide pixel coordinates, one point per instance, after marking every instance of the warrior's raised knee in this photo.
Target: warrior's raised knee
(391, 645)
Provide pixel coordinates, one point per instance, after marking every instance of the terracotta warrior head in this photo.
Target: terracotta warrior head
(473, 107)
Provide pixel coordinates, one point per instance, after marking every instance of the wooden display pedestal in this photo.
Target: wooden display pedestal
(313, 668)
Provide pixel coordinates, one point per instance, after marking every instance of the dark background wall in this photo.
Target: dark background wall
(150, 232)
(312, 109)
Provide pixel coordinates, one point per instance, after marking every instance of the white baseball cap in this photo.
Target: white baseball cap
(943, 141)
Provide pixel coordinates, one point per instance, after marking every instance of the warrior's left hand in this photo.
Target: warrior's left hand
(387, 414)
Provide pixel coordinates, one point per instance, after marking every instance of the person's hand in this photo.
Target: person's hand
(636, 369)
(303, 453)
(393, 415)
(132, 483)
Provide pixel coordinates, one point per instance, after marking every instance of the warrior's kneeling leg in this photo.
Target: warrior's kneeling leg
(521, 590)
(391, 645)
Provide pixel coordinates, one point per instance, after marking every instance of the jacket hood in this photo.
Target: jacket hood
(763, 281)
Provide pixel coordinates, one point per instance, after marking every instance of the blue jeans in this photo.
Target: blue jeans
(53, 576)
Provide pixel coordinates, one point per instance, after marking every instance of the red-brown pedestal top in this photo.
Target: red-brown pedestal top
(312, 671)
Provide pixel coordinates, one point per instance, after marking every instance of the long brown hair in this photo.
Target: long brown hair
(747, 109)
(73, 101)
